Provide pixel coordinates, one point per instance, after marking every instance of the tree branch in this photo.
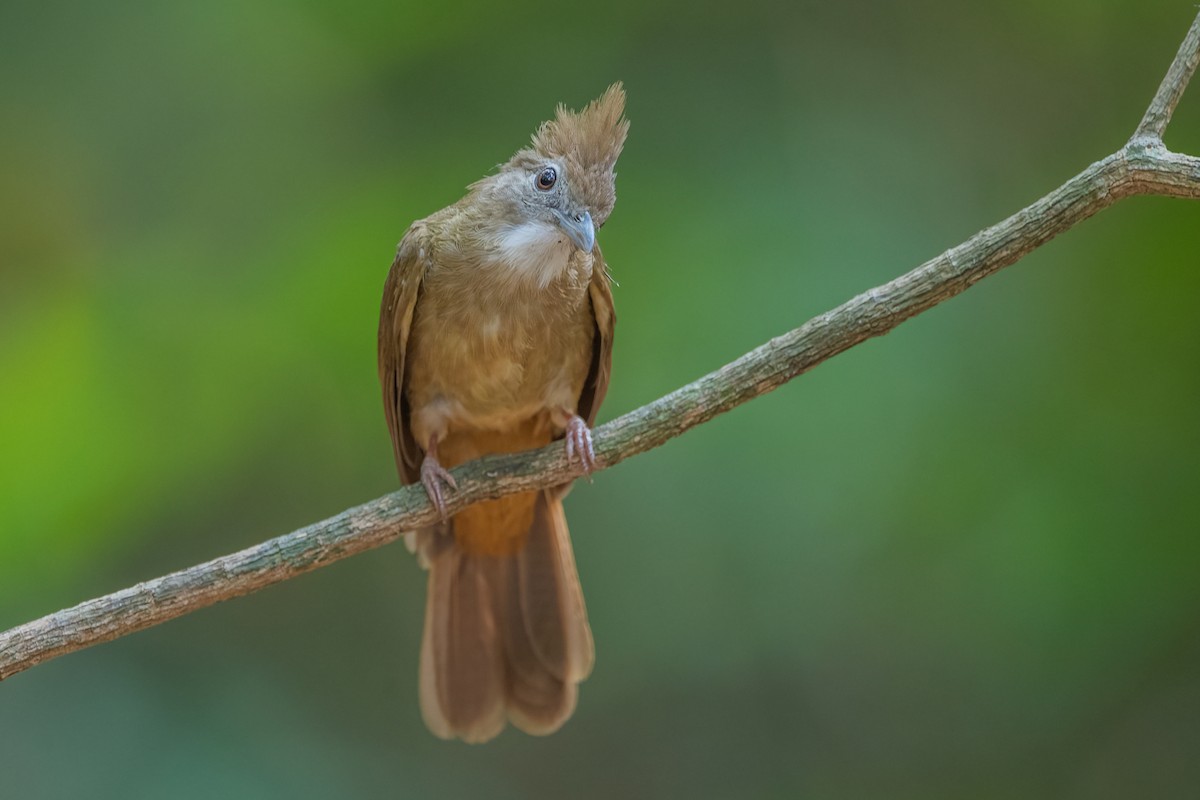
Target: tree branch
(1142, 167)
(1154, 123)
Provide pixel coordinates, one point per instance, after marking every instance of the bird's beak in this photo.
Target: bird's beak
(579, 229)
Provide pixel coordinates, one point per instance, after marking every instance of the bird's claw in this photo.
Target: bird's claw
(434, 477)
(579, 445)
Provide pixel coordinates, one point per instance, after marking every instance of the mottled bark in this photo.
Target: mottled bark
(1142, 167)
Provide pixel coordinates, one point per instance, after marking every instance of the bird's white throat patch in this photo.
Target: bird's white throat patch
(537, 251)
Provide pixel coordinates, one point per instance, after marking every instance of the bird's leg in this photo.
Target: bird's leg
(434, 475)
(578, 437)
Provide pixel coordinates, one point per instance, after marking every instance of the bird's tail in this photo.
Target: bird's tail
(506, 631)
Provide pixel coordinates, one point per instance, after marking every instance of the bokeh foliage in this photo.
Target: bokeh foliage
(958, 561)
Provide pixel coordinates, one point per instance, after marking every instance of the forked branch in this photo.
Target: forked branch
(1142, 167)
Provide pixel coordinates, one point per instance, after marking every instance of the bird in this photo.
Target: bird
(496, 336)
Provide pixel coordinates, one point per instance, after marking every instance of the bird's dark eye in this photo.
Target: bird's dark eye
(546, 178)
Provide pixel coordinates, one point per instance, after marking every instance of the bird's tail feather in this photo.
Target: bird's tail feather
(506, 636)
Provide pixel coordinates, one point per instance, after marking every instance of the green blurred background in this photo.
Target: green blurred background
(960, 561)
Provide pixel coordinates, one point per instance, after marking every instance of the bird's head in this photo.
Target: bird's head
(565, 177)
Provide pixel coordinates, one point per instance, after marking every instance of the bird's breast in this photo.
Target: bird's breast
(486, 354)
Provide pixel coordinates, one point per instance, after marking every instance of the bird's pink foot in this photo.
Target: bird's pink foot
(436, 479)
(579, 444)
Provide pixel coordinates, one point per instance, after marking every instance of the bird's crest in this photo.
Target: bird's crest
(588, 143)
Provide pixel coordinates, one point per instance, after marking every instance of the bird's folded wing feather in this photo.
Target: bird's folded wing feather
(596, 385)
(400, 293)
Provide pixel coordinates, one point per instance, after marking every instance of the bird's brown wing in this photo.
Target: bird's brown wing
(400, 293)
(596, 385)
